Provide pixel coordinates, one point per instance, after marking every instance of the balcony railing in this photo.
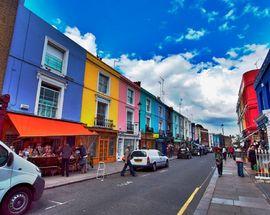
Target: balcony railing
(149, 129)
(130, 127)
(104, 123)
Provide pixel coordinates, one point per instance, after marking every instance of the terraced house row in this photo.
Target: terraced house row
(60, 92)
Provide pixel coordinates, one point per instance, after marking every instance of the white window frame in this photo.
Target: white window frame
(65, 60)
(109, 83)
(53, 82)
(99, 99)
(131, 111)
(160, 123)
(148, 117)
(149, 105)
(133, 96)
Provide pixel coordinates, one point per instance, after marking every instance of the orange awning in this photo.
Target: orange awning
(34, 126)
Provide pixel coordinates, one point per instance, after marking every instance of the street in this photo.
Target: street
(161, 192)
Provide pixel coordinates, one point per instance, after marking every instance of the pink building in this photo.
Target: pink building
(128, 116)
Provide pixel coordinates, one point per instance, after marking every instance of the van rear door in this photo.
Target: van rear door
(5, 171)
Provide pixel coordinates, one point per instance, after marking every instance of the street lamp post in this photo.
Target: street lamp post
(139, 126)
(223, 139)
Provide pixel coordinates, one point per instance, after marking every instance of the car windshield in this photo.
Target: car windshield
(138, 154)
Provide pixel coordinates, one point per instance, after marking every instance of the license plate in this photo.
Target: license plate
(138, 160)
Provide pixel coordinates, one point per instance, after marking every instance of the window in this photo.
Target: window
(148, 105)
(103, 84)
(112, 144)
(130, 96)
(55, 57)
(160, 125)
(160, 110)
(130, 120)
(148, 121)
(3, 156)
(102, 109)
(48, 103)
(138, 154)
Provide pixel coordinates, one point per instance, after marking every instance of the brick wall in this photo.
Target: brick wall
(8, 10)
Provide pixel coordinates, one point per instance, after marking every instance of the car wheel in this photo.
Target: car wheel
(17, 201)
(167, 164)
(154, 167)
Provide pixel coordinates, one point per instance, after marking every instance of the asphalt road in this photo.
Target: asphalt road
(161, 192)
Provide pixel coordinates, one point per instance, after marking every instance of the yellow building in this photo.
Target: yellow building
(100, 107)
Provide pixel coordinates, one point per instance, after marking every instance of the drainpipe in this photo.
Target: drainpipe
(4, 100)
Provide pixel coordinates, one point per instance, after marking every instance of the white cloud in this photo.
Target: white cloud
(225, 27)
(230, 15)
(175, 5)
(240, 36)
(194, 35)
(229, 3)
(211, 95)
(87, 40)
(211, 16)
(256, 11)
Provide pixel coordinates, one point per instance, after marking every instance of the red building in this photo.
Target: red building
(247, 106)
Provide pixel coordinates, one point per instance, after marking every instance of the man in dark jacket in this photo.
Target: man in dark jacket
(65, 154)
(127, 159)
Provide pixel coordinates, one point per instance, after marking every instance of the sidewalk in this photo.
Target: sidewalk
(56, 181)
(231, 194)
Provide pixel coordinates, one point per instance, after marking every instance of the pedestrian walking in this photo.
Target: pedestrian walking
(82, 159)
(239, 158)
(127, 159)
(252, 157)
(66, 152)
(219, 161)
(224, 153)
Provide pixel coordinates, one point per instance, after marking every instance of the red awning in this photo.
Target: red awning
(34, 126)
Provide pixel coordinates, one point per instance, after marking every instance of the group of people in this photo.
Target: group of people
(237, 154)
(65, 152)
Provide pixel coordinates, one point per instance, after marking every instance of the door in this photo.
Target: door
(5, 172)
(103, 149)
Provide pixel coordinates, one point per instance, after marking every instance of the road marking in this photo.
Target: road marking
(58, 203)
(145, 175)
(124, 184)
(191, 197)
(162, 171)
(183, 209)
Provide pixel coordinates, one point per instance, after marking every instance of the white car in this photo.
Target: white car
(20, 182)
(151, 158)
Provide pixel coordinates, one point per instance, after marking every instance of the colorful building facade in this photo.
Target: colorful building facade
(247, 106)
(128, 116)
(262, 87)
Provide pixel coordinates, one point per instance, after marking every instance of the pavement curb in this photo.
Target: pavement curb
(205, 201)
(87, 179)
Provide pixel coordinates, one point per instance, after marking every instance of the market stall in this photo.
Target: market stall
(40, 140)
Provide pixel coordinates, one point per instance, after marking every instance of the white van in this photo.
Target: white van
(20, 182)
(151, 158)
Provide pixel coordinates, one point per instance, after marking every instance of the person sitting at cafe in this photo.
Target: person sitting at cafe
(40, 150)
(48, 152)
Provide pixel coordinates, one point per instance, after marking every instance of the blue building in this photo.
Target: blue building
(45, 70)
(262, 87)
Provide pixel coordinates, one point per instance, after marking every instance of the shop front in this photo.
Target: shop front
(148, 141)
(40, 139)
(124, 140)
(103, 148)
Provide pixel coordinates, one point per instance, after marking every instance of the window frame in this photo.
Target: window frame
(133, 99)
(4, 162)
(62, 88)
(109, 83)
(148, 117)
(131, 111)
(160, 112)
(149, 105)
(102, 100)
(48, 40)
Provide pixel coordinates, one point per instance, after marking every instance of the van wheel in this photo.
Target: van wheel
(17, 201)
(154, 167)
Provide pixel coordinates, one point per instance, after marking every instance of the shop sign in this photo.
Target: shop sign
(155, 135)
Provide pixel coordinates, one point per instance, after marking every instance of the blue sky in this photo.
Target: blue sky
(198, 42)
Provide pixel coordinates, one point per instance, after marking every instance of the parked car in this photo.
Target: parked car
(20, 182)
(184, 153)
(151, 158)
